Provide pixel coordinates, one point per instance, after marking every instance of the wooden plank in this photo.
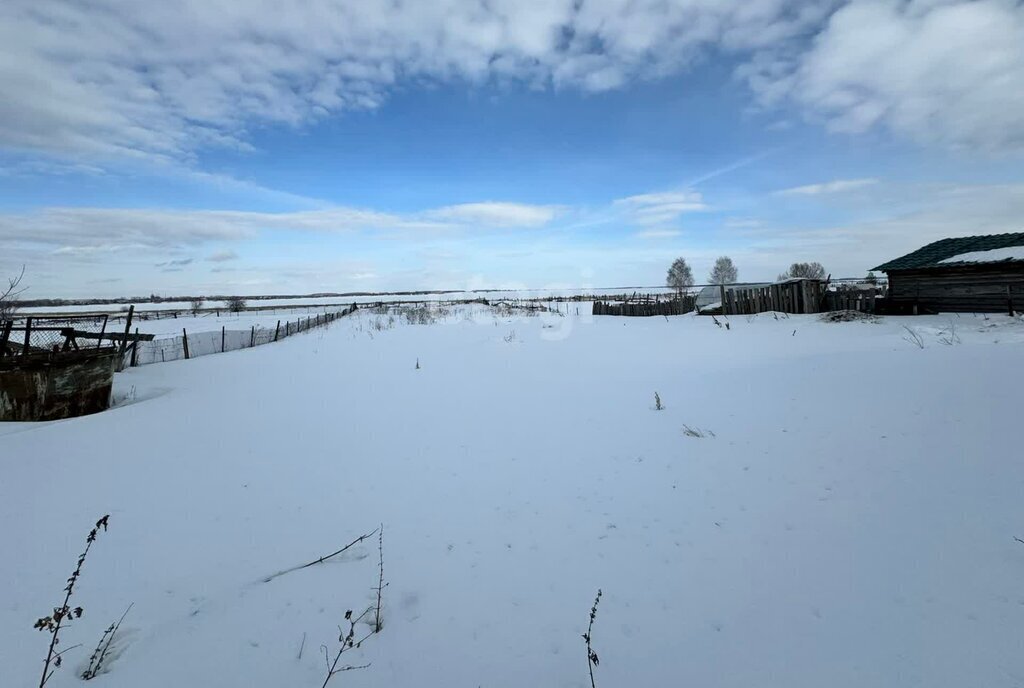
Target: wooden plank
(135, 349)
(127, 328)
(5, 336)
(28, 336)
(113, 336)
(99, 340)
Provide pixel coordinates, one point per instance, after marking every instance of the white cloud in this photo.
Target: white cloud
(895, 227)
(946, 72)
(163, 80)
(222, 256)
(86, 232)
(67, 249)
(179, 263)
(742, 222)
(836, 186)
(660, 209)
(497, 214)
(658, 234)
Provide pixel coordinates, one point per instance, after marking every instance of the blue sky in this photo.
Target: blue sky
(185, 147)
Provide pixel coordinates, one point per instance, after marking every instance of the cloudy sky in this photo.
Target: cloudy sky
(247, 146)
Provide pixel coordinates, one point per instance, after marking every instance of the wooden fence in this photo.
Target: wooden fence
(646, 307)
(799, 296)
(862, 300)
(792, 296)
(796, 296)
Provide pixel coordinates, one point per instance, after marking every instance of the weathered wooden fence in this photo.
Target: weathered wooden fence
(850, 299)
(795, 296)
(643, 308)
(799, 296)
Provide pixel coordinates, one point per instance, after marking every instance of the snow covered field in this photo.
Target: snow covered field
(371, 298)
(847, 519)
(212, 322)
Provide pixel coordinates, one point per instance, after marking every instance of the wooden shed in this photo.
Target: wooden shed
(967, 274)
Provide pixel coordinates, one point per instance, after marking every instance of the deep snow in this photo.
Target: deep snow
(850, 523)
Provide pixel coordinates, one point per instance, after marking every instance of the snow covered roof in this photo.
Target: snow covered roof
(993, 255)
(972, 249)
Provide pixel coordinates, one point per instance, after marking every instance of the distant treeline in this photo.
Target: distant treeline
(156, 298)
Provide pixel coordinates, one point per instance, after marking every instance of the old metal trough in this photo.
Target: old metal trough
(56, 385)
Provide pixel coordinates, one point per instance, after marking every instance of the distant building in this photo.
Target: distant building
(967, 274)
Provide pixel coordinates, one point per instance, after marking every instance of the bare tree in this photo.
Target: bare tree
(680, 276)
(195, 305)
(813, 270)
(8, 304)
(235, 304)
(724, 272)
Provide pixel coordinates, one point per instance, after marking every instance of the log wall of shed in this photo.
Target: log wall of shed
(964, 288)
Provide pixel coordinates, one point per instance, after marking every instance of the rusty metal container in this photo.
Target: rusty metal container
(44, 386)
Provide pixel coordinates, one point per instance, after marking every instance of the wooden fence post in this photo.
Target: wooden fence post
(135, 348)
(222, 339)
(127, 329)
(28, 335)
(5, 335)
(131, 314)
(252, 337)
(184, 341)
(277, 330)
(103, 331)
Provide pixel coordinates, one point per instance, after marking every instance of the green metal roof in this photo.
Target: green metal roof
(930, 255)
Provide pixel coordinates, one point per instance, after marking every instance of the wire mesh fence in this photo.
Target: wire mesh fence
(192, 344)
(48, 335)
